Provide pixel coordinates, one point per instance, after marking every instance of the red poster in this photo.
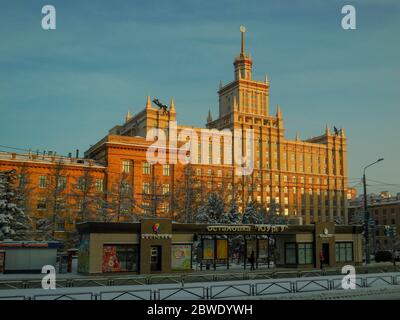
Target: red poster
(2, 261)
(110, 259)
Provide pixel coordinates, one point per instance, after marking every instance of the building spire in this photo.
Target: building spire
(148, 104)
(278, 111)
(209, 117)
(327, 130)
(172, 107)
(128, 116)
(242, 30)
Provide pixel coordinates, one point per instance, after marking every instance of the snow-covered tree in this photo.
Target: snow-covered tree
(212, 211)
(233, 215)
(14, 223)
(251, 214)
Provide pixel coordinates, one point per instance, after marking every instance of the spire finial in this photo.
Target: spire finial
(209, 117)
(172, 107)
(266, 79)
(242, 30)
(148, 103)
(327, 130)
(278, 111)
(128, 116)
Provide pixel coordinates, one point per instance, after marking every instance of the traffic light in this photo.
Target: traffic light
(387, 231)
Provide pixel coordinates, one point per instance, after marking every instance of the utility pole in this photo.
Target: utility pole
(366, 213)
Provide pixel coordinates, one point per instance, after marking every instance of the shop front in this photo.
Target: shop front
(159, 246)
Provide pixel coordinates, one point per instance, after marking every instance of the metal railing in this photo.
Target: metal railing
(221, 291)
(64, 296)
(126, 295)
(230, 291)
(182, 293)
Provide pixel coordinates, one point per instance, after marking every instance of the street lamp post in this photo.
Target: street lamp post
(366, 213)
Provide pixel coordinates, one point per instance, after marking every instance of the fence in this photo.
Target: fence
(221, 291)
(187, 278)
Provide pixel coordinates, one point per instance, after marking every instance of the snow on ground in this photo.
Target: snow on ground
(241, 289)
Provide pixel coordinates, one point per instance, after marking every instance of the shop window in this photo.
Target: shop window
(290, 253)
(305, 253)
(344, 251)
(120, 258)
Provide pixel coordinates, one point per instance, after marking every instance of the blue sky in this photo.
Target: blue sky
(62, 90)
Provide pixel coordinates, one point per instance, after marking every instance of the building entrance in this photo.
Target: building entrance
(325, 252)
(155, 255)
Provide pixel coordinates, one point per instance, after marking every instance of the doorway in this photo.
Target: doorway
(325, 252)
(155, 258)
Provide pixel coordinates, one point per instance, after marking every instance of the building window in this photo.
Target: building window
(99, 185)
(41, 204)
(344, 251)
(209, 172)
(290, 253)
(60, 226)
(146, 168)
(120, 258)
(166, 169)
(62, 183)
(42, 181)
(146, 188)
(165, 188)
(126, 166)
(125, 188)
(198, 172)
(23, 180)
(305, 253)
(81, 183)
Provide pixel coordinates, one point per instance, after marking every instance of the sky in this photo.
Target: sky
(63, 89)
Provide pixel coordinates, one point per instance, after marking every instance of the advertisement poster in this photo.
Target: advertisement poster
(181, 257)
(263, 248)
(2, 261)
(110, 259)
(222, 249)
(208, 249)
(83, 255)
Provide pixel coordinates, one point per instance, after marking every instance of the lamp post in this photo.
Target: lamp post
(366, 213)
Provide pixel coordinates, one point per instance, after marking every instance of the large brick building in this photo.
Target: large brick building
(385, 211)
(302, 178)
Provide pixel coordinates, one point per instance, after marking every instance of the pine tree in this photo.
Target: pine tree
(14, 224)
(212, 211)
(233, 214)
(250, 214)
